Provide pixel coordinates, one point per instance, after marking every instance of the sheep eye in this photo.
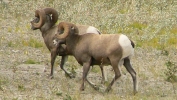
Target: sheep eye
(36, 19)
(59, 32)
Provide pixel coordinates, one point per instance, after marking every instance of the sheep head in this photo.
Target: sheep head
(46, 17)
(39, 19)
(65, 29)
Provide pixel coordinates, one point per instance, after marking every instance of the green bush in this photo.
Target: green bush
(31, 61)
(171, 71)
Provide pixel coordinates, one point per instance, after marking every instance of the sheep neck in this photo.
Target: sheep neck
(46, 27)
(48, 37)
(71, 42)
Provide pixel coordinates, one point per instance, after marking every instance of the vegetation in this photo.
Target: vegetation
(171, 72)
(31, 61)
(151, 24)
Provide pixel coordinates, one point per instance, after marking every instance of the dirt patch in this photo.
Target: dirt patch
(31, 81)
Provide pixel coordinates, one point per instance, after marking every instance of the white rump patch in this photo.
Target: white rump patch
(125, 43)
(92, 29)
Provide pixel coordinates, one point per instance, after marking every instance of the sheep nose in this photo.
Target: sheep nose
(55, 34)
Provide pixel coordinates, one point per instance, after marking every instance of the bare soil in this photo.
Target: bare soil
(30, 81)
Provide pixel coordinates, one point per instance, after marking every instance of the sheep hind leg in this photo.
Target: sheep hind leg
(132, 72)
(117, 75)
(63, 60)
(93, 85)
(103, 75)
(102, 81)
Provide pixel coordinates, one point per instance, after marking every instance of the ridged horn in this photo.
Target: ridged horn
(42, 17)
(54, 13)
(67, 28)
(62, 26)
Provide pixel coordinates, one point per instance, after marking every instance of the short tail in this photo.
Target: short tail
(98, 31)
(132, 43)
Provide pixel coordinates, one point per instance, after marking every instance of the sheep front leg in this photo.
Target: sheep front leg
(53, 57)
(86, 67)
(63, 60)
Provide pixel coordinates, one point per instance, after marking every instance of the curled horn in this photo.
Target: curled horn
(54, 13)
(67, 28)
(41, 15)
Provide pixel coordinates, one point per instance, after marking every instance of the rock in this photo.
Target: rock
(34, 68)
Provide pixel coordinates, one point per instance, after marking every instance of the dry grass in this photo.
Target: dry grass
(150, 24)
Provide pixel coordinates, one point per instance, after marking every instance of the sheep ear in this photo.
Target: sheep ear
(72, 27)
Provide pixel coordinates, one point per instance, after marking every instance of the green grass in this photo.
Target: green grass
(172, 41)
(171, 71)
(138, 25)
(95, 69)
(21, 87)
(3, 81)
(32, 43)
(31, 61)
(173, 30)
(10, 44)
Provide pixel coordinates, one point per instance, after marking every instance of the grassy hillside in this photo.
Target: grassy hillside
(151, 24)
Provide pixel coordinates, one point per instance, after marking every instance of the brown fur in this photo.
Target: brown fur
(46, 24)
(105, 50)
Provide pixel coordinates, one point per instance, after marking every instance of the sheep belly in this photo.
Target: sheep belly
(100, 61)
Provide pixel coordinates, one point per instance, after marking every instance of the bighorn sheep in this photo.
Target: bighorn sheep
(107, 49)
(45, 20)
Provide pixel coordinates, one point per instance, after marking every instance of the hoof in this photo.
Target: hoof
(69, 75)
(50, 76)
(102, 81)
(135, 92)
(107, 90)
(72, 76)
(81, 89)
(96, 87)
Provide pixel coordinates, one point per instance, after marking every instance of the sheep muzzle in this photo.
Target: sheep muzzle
(55, 42)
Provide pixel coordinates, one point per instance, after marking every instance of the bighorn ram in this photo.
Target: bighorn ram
(45, 20)
(107, 49)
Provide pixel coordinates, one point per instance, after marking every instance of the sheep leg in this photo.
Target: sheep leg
(102, 72)
(132, 72)
(86, 67)
(53, 57)
(92, 85)
(63, 60)
(117, 75)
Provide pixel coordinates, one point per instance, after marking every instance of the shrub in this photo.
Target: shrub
(171, 71)
(31, 61)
